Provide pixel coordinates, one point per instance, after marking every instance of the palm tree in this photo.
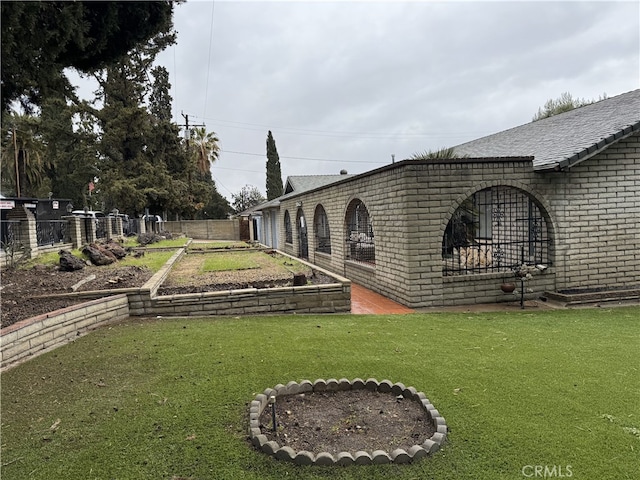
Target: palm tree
(24, 162)
(206, 149)
(440, 154)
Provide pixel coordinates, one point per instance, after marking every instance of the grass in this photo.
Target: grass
(247, 260)
(167, 399)
(218, 244)
(167, 243)
(219, 262)
(152, 260)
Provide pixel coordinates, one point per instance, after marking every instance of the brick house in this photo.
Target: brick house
(562, 193)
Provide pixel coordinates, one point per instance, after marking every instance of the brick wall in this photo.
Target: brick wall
(597, 209)
(206, 229)
(37, 335)
(592, 212)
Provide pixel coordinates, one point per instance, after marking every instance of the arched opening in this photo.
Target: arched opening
(359, 230)
(288, 231)
(495, 230)
(321, 227)
(303, 244)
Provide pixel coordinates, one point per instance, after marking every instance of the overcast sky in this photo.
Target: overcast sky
(346, 85)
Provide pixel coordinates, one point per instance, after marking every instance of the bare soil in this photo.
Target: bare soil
(347, 421)
(182, 278)
(25, 293)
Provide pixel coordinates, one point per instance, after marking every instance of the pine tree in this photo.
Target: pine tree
(274, 173)
(40, 39)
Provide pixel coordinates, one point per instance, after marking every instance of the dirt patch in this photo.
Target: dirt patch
(347, 421)
(186, 276)
(23, 292)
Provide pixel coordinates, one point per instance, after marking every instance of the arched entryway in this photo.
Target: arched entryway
(303, 242)
(496, 229)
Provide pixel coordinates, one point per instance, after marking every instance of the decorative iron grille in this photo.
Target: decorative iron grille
(360, 239)
(303, 244)
(50, 232)
(288, 231)
(10, 233)
(323, 237)
(495, 230)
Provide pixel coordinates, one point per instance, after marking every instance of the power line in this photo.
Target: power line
(304, 158)
(206, 88)
(338, 133)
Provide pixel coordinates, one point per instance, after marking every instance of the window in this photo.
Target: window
(321, 226)
(360, 238)
(495, 230)
(288, 232)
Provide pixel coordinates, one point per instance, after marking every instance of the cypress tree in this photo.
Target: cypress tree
(274, 173)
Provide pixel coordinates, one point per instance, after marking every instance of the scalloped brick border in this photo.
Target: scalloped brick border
(303, 457)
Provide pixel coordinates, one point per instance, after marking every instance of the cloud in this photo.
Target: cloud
(352, 83)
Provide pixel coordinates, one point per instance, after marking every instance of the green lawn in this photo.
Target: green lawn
(247, 260)
(167, 399)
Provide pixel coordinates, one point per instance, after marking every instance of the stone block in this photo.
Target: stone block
(285, 453)
(398, 388)
(270, 447)
(380, 457)
(304, 458)
(433, 413)
(372, 384)
(344, 385)
(262, 399)
(385, 386)
(306, 386)
(325, 459)
(259, 440)
(400, 456)
(332, 385)
(362, 458)
(357, 384)
(344, 459)
(320, 385)
(416, 452)
(292, 388)
(430, 446)
(410, 393)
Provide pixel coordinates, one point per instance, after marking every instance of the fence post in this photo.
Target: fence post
(27, 231)
(75, 231)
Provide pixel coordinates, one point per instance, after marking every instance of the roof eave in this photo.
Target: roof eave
(589, 152)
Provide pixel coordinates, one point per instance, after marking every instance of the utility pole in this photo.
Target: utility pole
(187, 137)
(187, 132)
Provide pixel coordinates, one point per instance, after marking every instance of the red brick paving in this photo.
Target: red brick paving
(365, 301)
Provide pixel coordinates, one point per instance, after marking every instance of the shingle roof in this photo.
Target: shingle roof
(297, 184)
(303, 183)
(565, 139)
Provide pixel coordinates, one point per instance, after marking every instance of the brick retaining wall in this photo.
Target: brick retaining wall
(37, 335)
(40, 334)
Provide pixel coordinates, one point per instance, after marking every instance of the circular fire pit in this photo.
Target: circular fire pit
(265, 433)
